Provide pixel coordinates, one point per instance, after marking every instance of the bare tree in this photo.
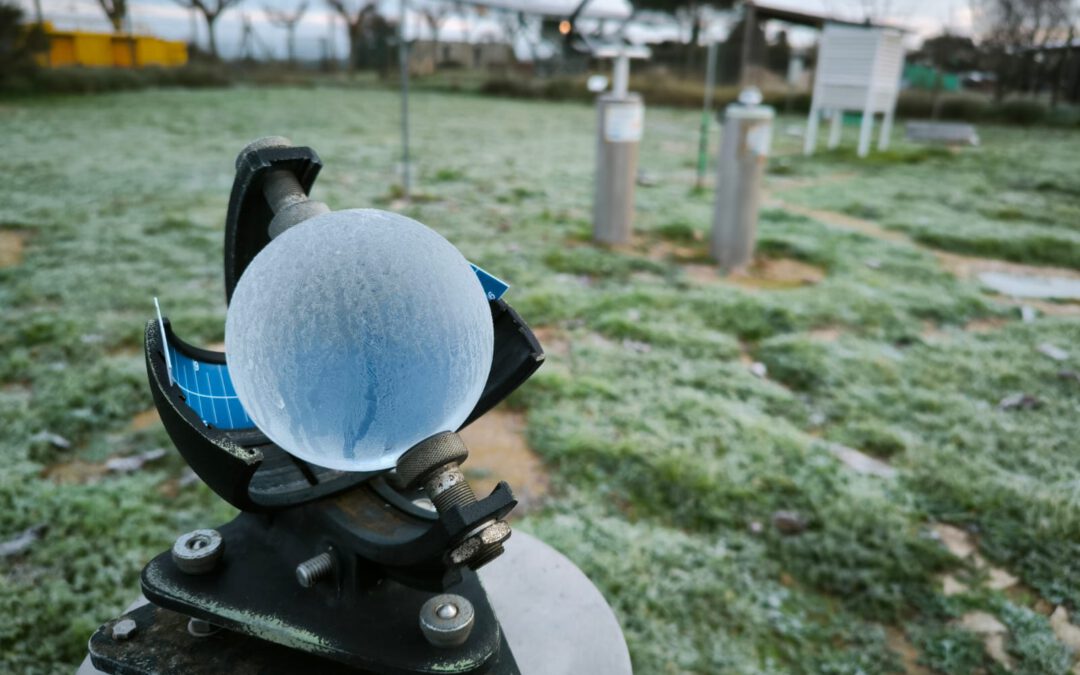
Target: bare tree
(1015, 32)
(116, 11)
(288, 21)
(435, 16)
(462, 10)
(357, 17)
(211, 10)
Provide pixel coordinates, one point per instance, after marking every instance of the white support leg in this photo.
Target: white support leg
(865, 131)
(886, 130)
(835, 127)
(811, 131)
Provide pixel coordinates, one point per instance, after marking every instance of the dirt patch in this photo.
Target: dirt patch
(964, 546)
(553, 340)
(780, 184)
(777, 274)
(664, 250)
(12, 243)
(968, 267)
(841, 220)
(826, 334)
(986, 325)
(898, 642)
(145, 420)
(498, 451)
(75, 472)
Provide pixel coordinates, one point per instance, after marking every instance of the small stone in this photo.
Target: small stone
(56, 440)
(637, 346)
(950, 586)
(789, 522)
(1069, 375)
(133, 462)
(982, 623)
(957, 541)
(21, 542)
(1019, 402)
(873, 263)
(1065, 630)
(861, 462)
(1000, 580)
(647, 178)
(1028, 313)
(1052, 351)
(756, 527)
(759, 369)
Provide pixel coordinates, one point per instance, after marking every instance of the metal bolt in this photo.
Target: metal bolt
(284, 194)
(123, 629)
(434, 463)
(201, 628)
(198, 551)
(314, 570)
(447, 620)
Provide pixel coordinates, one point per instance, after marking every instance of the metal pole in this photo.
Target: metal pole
(749, 19)
(744, 149)
(37, 12)
(403, 57)
(706, 115)
(621, 76)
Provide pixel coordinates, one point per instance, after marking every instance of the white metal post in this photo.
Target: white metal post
(886, 128)
(866, 129)
(403, 57)
(621, 76)
(812, 122)
(835, 128)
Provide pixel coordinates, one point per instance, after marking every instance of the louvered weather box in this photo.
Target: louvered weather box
(858, 69)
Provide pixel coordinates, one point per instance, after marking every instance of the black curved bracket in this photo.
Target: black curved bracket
(249, 214)
(242, 465)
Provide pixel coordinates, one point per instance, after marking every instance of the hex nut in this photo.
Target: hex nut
(198, 551)
(124, 629)
(446, 620)
(470, 548)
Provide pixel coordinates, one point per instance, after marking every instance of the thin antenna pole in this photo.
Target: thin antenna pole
(706, 115)
(403, 57)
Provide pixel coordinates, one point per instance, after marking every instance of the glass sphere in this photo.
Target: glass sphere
(356, 334)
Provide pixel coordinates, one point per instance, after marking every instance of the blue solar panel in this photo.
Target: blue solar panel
(209, 391)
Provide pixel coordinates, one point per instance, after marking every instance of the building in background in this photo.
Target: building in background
(109, 50)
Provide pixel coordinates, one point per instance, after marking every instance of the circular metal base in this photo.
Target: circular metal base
(555, 620)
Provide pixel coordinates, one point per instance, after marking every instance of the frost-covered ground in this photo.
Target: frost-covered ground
(708, 502)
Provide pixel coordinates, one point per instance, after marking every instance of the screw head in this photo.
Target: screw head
(123, 629)
(198, 551)
(201, 628)
(446, 620)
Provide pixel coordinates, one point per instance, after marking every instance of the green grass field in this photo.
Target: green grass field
(708, 503)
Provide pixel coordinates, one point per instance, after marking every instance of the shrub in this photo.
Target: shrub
(1021, 112)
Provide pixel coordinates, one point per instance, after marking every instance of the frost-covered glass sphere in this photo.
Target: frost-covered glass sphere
(357, 334)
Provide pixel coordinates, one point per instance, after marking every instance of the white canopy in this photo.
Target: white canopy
(594, 9)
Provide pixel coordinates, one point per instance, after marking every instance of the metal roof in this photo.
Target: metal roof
(594, 9)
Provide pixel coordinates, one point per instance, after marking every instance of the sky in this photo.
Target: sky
(321, 32)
